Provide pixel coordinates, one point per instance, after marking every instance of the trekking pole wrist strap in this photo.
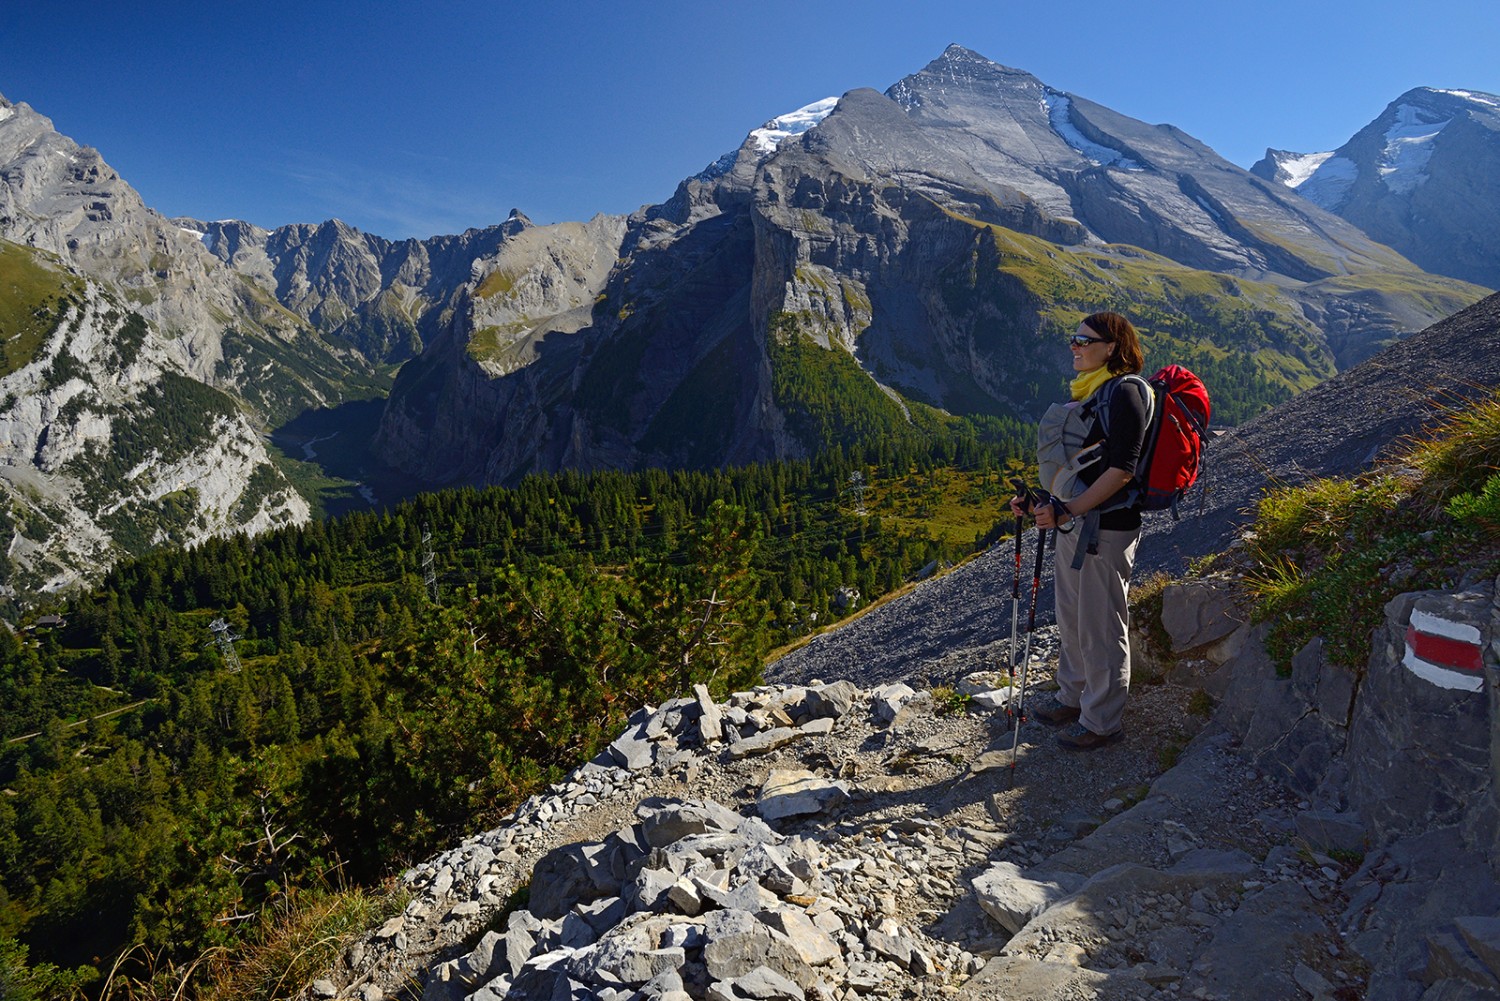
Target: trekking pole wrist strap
(1060, 508)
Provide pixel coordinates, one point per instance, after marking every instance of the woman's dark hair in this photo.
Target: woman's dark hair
(1128, 355)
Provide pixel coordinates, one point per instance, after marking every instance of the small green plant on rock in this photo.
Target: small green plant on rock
(949, 701)
(1146, 602)
(1169, 753)
(1481, 509)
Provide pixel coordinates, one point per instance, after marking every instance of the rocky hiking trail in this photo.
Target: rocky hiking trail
(823, 841)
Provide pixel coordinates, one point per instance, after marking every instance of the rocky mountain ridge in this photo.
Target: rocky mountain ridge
(380, 297)
(936, 237)
(108, 445)
(929, 243)
(1420, 178)
(63, 198)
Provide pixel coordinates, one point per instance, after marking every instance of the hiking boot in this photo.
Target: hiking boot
(1080, 738)
(1055, 713)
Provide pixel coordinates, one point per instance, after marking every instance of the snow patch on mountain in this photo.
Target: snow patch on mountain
(1301, 166)
(1213, 213)
(769, 137)
(1328, 184)
(1473, 95)
(1408, 147)
(1060, 114)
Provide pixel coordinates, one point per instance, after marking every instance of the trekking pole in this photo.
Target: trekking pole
(1015, 610)
(1020, 699)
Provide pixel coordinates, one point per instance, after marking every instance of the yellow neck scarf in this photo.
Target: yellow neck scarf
(1086, 384)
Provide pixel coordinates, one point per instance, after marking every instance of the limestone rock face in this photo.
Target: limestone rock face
(58, 196)
(491, 396)
(1151, 186)
(1419, 742)
(381, 298)
(108, 447)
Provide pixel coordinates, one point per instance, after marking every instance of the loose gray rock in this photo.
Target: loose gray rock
(791, 792)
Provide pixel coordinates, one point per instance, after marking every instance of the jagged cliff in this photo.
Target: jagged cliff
(382, 298)
(108, 446)
(63, 198)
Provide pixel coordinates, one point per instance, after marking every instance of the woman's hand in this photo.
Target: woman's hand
(1019, 507)
(1047, 517)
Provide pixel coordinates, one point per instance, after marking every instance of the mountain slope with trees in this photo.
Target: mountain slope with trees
(156, 794)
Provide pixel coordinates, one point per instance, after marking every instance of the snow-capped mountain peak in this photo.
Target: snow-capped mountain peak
(1420, 178)
(768, 138)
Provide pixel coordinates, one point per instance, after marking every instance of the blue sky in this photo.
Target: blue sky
(411, 119)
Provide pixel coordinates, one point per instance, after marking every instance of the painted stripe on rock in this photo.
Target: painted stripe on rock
(1444, 653)
(1426, 622)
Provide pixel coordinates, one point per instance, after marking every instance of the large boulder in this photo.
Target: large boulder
(1420, 750)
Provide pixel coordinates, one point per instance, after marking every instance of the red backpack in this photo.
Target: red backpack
(1172, 455)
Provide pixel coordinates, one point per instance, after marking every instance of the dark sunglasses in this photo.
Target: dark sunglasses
(1083, 340)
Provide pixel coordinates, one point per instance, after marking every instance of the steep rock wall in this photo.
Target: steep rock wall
(1398, 762)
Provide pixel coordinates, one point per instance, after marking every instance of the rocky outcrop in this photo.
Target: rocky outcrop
(63, 198)
(382, 298)
(491, 398)
(108, 447)
(1397, 763)
(926, 870)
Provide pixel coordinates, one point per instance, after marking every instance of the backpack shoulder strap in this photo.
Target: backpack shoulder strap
(1100, 401)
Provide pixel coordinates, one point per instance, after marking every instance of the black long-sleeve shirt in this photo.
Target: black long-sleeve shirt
(1127, 422)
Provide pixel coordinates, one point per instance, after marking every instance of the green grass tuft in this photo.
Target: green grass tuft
(1327, 556)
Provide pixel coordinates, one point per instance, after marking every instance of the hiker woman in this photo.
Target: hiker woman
(1093, 667)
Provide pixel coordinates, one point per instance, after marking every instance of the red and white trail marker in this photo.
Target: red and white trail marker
(1448, 654)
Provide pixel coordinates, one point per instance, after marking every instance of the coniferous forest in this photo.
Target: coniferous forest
(206, 736)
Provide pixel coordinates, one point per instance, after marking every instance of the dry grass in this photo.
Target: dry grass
(277, 962)
(1326, 556)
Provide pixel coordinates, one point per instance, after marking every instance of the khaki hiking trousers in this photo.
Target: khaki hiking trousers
(1093, 620)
